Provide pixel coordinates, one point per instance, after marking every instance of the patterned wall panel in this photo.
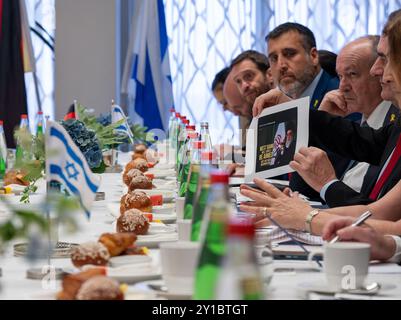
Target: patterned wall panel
(206, 34)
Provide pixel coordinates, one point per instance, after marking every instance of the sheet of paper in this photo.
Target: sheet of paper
(274, 137)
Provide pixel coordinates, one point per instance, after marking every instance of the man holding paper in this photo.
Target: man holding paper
(295, 66)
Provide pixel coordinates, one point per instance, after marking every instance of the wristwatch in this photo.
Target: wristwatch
(309, 219)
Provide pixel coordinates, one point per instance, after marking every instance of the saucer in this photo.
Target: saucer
(320, 286)
(152, 285)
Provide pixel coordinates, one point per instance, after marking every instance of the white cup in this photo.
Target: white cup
(345, 264)
(178, 262)
(179, 207)
(184, 228)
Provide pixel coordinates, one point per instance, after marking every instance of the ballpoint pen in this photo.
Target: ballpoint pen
(356, 223)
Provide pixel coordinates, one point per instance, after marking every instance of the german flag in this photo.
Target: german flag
(13, 101)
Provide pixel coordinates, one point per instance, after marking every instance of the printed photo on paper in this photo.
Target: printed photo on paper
(274, 137)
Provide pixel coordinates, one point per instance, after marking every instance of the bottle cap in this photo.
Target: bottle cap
(219, 176)
(208, 156)
(241, 227)
(190, 127)
(192, 135)
(24, 116)
(185, 122)
(1, 122)
(172, 110)
(204, 124)
(178, 115)
(40, 112)
(198, 145)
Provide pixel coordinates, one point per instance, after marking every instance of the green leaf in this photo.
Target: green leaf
(100, 169)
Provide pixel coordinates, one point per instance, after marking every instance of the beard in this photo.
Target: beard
(295, 89)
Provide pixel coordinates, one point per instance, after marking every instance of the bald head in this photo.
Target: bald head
(235, 103)
(362, 92)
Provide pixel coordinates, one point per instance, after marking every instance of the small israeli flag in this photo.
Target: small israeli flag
(118, 114)
(66, 164)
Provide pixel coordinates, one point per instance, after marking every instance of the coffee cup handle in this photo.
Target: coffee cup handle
(312, 254)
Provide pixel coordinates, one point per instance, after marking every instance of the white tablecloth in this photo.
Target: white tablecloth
(285, 283)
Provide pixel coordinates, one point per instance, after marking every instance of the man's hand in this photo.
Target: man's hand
(236, 170)
(334, 102)
(382, 247)
(269, 99)
(314, 167)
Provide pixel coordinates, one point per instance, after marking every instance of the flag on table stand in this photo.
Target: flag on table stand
(13, 100)
(147, 78)
(279, 140)
(117, 114)
(66, 164)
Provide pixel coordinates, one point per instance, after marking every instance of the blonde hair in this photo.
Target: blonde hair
(393, 32)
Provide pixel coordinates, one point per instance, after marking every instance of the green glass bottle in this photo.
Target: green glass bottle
(240, 274)
(3, 152)
(186, 166)
(214, 243)
(2, 167)
(202, 194)
(40, 122)
(193, 179)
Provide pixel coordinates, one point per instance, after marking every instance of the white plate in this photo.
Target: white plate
(164, 166)
(156, 228)
(119, 261)
(114, 210)
(164, 209)
(163, 173)
(151, 285)
(168, 195)
(154, 240)
(134, 273)
(165, 184)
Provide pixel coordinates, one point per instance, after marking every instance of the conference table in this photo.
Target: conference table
(291, 279)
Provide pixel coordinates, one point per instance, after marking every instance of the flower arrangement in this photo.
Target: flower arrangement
(86, 140)
(139, 132)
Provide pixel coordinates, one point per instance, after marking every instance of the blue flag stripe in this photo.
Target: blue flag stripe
(55, 133)
(58, 171)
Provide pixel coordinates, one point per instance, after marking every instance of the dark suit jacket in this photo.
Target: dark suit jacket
(326, 83)
(339, 194)
(363, 144)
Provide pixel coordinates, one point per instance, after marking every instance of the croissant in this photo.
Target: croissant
(117, 243)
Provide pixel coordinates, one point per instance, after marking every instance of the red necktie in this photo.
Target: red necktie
(386, 173)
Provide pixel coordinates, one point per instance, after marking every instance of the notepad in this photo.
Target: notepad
(278, 236)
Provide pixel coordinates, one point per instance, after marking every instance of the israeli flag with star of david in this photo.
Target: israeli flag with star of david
(66, 164)
(118, 114)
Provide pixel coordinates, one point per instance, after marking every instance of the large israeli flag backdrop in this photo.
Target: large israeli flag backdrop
(147, 77)
(66, 164)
